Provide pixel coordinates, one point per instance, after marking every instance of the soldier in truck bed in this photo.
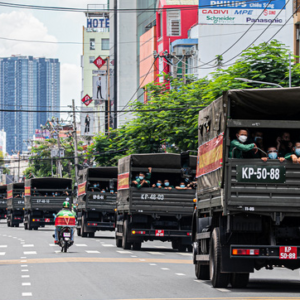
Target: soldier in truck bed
(143, 180)
(295, 155)
(238, 146)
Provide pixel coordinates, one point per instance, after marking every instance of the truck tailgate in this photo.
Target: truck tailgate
(162, 201)
(103, 202)
(45, 203)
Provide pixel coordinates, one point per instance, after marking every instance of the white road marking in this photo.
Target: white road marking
(29, 252)
(24, 266)
(133, 256)
(155, 253)
(29, 245)
(185, 254)
(152, 264)
(23, 260)
(142, 259)
(223, 290)
(3, 246)
(180, 274)
(24, 270)
(165, 269)
(124, 252)
(200, 281)
(81, 245)
(2, 253)
(160, 247)
(25, 276)
(26, 294)
(15, 237)
(91, 252)
(26, 283)
(52, 245)
(107, 245)
(57, 251)
(23, 257)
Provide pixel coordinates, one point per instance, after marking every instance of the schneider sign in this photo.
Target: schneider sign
(242, 12)
(97, 23)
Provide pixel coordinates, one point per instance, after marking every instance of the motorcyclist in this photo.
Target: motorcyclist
(66, 211)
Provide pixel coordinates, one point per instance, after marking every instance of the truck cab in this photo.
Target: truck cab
(247, 215)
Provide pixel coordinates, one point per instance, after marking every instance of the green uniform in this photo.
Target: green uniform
(147, 179)
(289, 156)
(239, 149)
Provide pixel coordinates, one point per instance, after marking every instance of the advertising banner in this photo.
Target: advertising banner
(87, 121)
(210, 156)
(123, 181)
(9, 194)
(81, 189)
(242, 12)
(100, 87)
(27, 190)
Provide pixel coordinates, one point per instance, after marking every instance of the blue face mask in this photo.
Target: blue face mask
(297, 152)
(136, 177)
(158, 184)
(273, 155)
(103, 192)
(167, 183)
(95, 185)
(112, 191)
(182, 186)
(141, 177)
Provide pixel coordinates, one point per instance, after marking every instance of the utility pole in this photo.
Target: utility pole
(75, 143)
(108, 94)
(183, 66)
(58, 162)
(18, 167)
(175, 61)
(115, 61)
(290, 71)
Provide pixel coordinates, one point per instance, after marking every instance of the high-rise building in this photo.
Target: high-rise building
(27, 83)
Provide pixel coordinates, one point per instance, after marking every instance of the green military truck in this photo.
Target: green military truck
(247, 215)
(3, 206)
(15, 204)
(96, 200)
(43, 199)
(148, 213)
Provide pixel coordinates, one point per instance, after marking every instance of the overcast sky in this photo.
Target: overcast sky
(48, 26)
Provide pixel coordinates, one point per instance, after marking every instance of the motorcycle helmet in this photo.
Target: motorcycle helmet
(66, 204)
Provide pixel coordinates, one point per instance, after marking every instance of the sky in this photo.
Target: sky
(48, 26)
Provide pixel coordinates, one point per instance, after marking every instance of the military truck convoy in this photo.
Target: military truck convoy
(43, 200)
(3, 200)
(248, 210)
(152, 213)
(96, 200)
(15, 204)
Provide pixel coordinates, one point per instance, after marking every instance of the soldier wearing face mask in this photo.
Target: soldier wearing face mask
(143, 180)
(238, 146)
(295, 156)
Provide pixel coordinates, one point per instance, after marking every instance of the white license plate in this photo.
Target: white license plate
(67, 234)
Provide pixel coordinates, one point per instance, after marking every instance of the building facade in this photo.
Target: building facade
(96, 43)
(27, 83)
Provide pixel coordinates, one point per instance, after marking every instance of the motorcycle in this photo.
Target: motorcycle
(66, 232)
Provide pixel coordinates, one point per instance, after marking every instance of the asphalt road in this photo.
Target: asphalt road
(31, 266)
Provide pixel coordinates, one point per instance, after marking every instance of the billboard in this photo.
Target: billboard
(99, 88)
(87, 121)
(242, 12)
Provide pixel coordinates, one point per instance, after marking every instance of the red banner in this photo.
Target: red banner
(27, 190)
(81, 189)
(9, 194)
(210, 156)
(123, 181)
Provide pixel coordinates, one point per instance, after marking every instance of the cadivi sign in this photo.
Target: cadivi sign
(242, 12)
(97, 23)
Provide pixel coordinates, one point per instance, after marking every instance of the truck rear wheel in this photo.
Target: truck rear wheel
(218, 279)
(118, 242)
(239, 280)
(137, 246)
(25, 226)
(201, 271)
(125, 244)
(78, 231)
(83, 233)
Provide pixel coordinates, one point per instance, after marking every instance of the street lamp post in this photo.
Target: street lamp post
(255, 81)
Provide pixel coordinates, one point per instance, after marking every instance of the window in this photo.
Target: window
(173, 23)
(105, 44)
(92, 44)
(91, 58)
(160, 25)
